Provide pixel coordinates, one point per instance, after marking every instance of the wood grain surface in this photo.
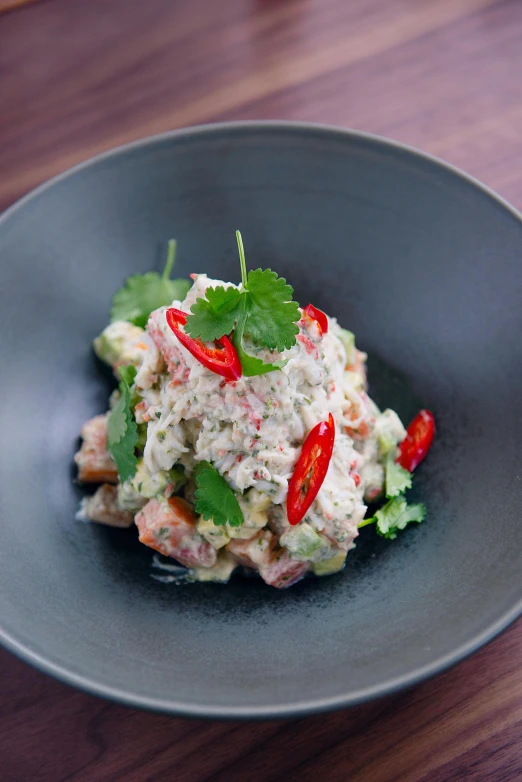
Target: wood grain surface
(10, 5)
(79, 77)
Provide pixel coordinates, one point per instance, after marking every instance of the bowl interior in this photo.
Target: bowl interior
(419, 262)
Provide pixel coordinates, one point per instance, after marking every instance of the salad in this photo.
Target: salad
(242, 434)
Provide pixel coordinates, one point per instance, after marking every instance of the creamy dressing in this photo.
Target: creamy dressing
(252, 431)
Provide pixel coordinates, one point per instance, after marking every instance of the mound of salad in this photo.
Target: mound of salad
(241, 435)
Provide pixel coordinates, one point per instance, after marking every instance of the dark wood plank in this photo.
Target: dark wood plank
(441, 75)
(10, 5)
(464, 724)
(444, 75)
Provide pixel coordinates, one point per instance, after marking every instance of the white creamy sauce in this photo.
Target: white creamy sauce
(252, 429)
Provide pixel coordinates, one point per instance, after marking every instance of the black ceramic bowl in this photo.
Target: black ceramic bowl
(421, 262)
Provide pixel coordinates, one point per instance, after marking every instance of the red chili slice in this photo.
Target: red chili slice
(416, 444)
(310, 470)
(319, 316)
(224, 362)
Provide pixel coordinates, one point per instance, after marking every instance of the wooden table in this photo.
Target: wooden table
(79, 77)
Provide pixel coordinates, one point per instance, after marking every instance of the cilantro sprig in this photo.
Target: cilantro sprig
(397, 513)
(261, 309)
(395, 516)
(122, 432)
(214, 499)
(143, 293)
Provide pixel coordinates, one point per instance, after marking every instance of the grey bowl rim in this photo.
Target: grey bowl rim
(304, 707)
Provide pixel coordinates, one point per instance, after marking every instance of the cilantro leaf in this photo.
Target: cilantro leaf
(397, 478)
(250, 365)
(214, 499)
(394, 516)
(123, 453)
(143, 293)
(272, 315)
(261, 308)
(122, 432)
(117, 423)
(128, 373)
(215, 315)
